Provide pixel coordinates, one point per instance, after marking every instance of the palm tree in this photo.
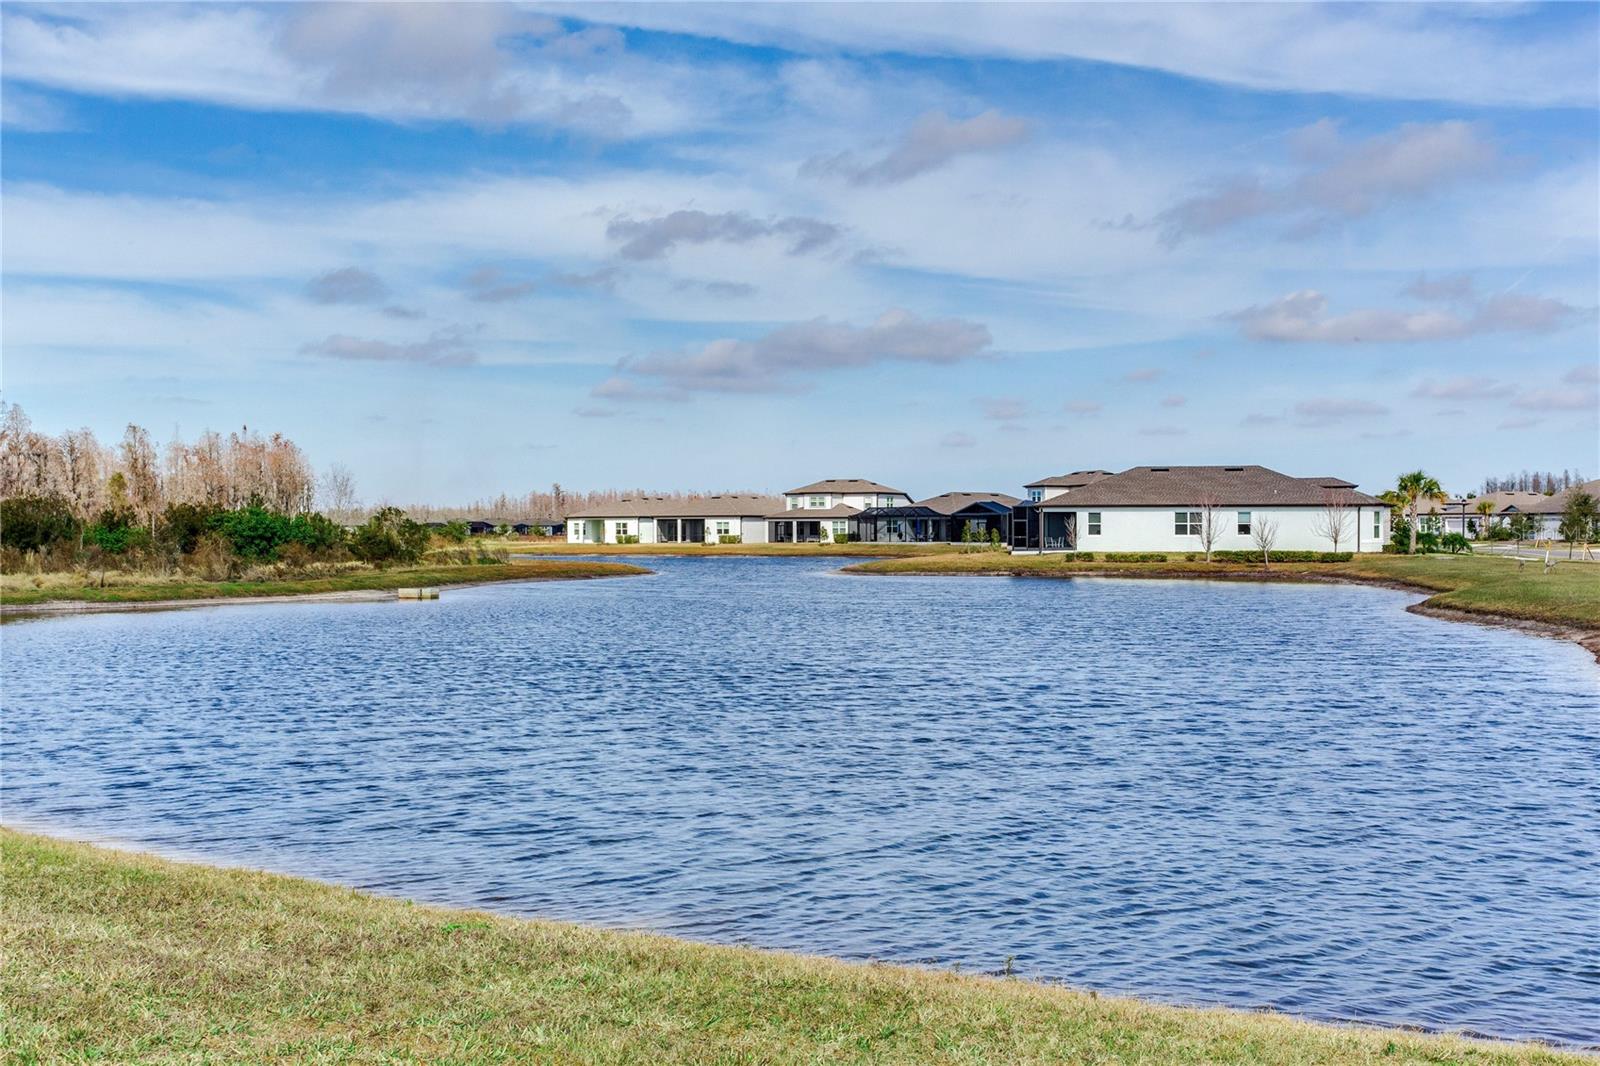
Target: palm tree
(1485, 508)
(1410, 490)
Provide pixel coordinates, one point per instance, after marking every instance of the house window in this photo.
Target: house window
(1377, 524)
(1244, 523)
(1094, 524)
(817, 502)
(840, 530)
(722, 529)
(1036, 495)
(794, 503)
(1186, 523)
(620, 529)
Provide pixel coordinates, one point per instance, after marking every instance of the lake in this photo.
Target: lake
(1296, 796)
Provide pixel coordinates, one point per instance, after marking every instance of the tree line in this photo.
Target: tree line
(1547, 483)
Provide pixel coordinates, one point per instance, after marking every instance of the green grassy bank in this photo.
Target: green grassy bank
(1569, 595)
(125, 958)
(17, 590)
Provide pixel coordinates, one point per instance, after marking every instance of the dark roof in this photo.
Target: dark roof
(948, 503)
(1242, 486)
(1076, 479)
(729, 506)
(844, 484)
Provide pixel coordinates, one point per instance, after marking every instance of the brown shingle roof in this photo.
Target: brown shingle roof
(1076, 479)
(844, 484)
(951, 502)
(729, 506)
(1161, 486)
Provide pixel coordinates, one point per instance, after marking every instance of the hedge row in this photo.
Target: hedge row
(1277, 557)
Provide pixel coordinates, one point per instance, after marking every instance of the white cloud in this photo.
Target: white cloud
(1462, 388)
(1004, 408)
(773, 362)
(1330, 410)
(932, 141)
(348, 285)
(1429, 52)
(1341, 180)
(1302, 317)
(652, 238)
(957, 439)
(26, 112)
(445, 347)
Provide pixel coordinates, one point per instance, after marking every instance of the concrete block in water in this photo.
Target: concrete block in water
(419, 594)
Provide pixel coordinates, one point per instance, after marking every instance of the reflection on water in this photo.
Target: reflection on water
(1201, 792)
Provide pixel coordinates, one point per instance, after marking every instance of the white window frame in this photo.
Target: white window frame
(1377, 524)
(1092, 523)
(1036, 495)
(1186, 523)
(724, 529)
(619, 529)
(816, 503)
(1243, 525)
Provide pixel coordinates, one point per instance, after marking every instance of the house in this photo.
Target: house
(524, 529)
(1045, 488)
(1461, 514)
(825, 510)
(938, 519)
(672, 520)
(1165, 509)
(480, 527)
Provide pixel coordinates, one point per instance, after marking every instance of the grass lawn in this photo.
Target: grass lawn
(125, 958)
(24, 589)
(1569, 595)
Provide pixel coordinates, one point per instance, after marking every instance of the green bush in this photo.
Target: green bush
(316, 532)
(117, 533)
(28, 523)
(455, 532)
(628, 539)
(1135, 557)
(181, 525)
(389, 537)
(1276, 557)
(253, 532)
(1455, 544)
(729, 538)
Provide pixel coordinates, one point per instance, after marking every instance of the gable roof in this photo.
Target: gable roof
(1076, 479)
(732, 505)
(1229, 486)
(811, 514)
(948, 503)
(845, 484)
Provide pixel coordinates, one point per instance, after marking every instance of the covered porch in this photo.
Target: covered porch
(680, 530)
(795, 530)
(1034, 529)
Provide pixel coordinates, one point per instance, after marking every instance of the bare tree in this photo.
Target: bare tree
(1264, 531)
(1334, 520)
(143, 476)
(1210, 523)
(338, 492)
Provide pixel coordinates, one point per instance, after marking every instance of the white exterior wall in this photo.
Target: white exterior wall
(604, 530)
(859, 500)
(1150, 529)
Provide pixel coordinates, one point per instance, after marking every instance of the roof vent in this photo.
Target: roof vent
(1160, 469)
(1233, 469)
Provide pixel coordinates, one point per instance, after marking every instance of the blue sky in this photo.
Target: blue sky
(472, 249)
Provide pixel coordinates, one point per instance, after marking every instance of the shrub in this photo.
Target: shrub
(454, 532)
(254, 533)
(183, 524)
(212, 558)
(117, 533)
(1455, 544)
(1135, 557)
(1277, 557)
(729, 538)
(28, 523)
(631, 538)
(389, 537)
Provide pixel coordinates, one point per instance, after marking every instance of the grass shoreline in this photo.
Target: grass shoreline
(128, 957)
(16, 598)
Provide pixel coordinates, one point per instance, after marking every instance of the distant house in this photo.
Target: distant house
(1160, 509)
(480, 527)
(938, 519)
(669, 520)
(524, 529)
(828, 507)
(1460, 514)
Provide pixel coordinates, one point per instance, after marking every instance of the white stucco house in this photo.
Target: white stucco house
(825, 509)
(1461, 515)
(1164, 509)
(673, 520)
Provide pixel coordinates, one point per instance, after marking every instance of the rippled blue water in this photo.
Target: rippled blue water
(1296, 796)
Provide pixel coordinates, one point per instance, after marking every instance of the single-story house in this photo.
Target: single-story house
(825, 510)
(938, 519)
(1460, 514)
(1164, 509)
(672, 520)
(480, 527)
